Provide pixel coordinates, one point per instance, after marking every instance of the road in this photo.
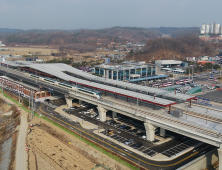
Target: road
(21, 153)
(138, 160)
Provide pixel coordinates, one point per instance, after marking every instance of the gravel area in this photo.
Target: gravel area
(6, 154)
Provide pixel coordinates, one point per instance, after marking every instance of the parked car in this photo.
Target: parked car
(72, 108)
(129, 141)
(140, 134)
(127, 128)
(144, 136)
(122, 126)
(93, 115)
(137, 145)
(133, 131)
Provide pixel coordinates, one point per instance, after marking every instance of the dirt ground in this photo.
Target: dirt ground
(52, 148)
(8, 131)
(26, 50)
(50, 153)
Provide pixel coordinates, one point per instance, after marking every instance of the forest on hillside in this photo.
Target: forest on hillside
(87, 36)
(173, 48)
(90, 37)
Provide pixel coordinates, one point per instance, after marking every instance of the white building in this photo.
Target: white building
(216, 30)
(167, 63)
(207, 30)
(2, 45)
(212, 28)
(203, 29)
(220, 30)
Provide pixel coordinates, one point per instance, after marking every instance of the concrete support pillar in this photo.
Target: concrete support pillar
(220, 158)
(102, 114)
(40, 87)
(80, 102)
(162, 132)
(129, 73)
(141, 72)
(112, 75)
(68, 102)
(107, 74)
(117, 75)
(150, 131)
(114, 114)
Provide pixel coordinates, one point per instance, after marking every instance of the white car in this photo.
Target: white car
(82, 105)
(72, 108)
(144, 136)
(93, 115)
(86, 112)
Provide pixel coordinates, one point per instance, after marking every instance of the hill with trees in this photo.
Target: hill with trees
(173, 48)
(86, 39)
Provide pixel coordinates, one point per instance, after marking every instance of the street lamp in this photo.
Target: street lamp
(206, 113)
(189, 73)
(220, 70)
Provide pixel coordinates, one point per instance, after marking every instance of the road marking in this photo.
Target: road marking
(124, 151)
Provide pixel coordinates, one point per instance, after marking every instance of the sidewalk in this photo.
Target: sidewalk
(83, 123)
(21, 154)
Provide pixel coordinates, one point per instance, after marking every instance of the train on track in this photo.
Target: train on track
(67, 86)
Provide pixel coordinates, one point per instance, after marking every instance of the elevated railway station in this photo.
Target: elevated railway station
(73, 82)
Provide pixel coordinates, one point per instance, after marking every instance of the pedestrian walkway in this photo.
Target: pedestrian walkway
(21, 154)
(83, 123)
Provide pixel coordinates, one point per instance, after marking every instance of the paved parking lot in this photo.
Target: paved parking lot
(180, 147)
(121, 135)
(214, 95)
(142, 148)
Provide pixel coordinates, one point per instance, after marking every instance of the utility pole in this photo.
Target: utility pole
(206, 113)
(2, 90)
(119, 47)
(220, 70)
(137, 105)
(19, 93)
(29, 101)
(189, 72)
(32, 106)
(36, 76)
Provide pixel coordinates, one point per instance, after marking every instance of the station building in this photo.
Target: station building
(127, 70)
(168, 63)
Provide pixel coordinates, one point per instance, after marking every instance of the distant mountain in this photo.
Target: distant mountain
(91, 37)
(177, 31)
(8, 30)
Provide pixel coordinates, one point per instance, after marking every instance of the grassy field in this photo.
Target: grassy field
(32, 50)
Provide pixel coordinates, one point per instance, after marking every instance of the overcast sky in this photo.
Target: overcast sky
(94, 14)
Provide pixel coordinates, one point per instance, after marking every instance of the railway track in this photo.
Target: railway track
(158, 116)
(144, 113)
(199, 115)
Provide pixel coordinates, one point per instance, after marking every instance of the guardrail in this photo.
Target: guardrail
(164, 119)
